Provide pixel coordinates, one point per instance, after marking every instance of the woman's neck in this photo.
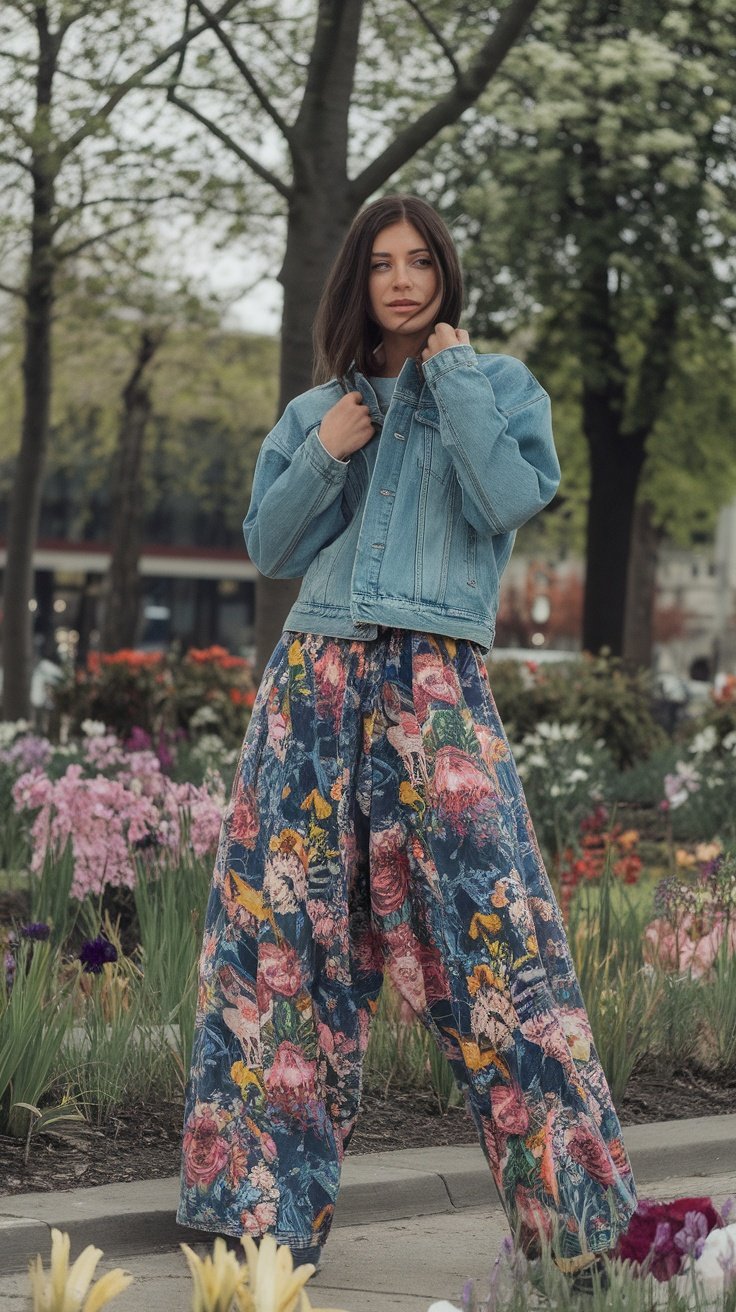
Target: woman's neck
(390, 356)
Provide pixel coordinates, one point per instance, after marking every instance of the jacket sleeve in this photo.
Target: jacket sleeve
(506, 463)
(296, 505)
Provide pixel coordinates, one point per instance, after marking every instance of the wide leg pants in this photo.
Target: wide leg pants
(377, 822)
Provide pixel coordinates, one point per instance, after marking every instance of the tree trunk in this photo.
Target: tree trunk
(641, 588)
(25, 497)
(321, 208)
(615, 466)
(122, 587)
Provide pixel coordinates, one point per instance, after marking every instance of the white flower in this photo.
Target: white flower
(93, 728)
(537, 759)
(443, 1306)
(705, 741)
(714, 1272)
(205, 715)
(729, 742)
(577, 777)
(554, 790)
(12, 729)
(583, 758)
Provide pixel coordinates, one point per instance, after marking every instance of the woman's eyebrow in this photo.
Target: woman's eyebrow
(417, 251)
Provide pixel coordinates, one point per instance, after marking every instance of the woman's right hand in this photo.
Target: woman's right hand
(347, 426)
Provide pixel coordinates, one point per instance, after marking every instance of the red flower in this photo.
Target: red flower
(205, 1149)
(590, 1151)
(389, 873)
(650, 1235)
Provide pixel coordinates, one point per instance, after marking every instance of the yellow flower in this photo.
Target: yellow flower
(408, 794)
(684, 859)
(244, 1077)
(295, 653)
(628, 839)
(64, 1288)
(321, 808)
(708, 851)
(216, 1279)
(271, 1284)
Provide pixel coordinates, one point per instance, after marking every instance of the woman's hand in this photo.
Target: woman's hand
(346, 426)
(444, 335)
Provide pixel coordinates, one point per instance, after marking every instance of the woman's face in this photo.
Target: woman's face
(403, 282)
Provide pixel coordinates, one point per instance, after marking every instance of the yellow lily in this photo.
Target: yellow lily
(64, 1288)
(216, 1278)
(272, 1283)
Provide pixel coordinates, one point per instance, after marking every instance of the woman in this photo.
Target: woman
(377, 821)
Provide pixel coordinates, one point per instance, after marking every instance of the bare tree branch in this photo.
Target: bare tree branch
(135, 80)
(245, 72)
(449, 108)
(69, 252)
(435, 32)
(259, 169)
(11, 291)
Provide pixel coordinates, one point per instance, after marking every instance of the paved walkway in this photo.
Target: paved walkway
(410, 1227)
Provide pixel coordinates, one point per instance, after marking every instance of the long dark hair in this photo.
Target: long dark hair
(343, 330)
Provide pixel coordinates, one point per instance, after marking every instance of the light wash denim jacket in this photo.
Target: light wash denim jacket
(416, 528)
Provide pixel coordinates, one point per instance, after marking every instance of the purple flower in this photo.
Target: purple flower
(691, 1237)
(37, 931)
(138, 740)
(9, 970)
(94, 952)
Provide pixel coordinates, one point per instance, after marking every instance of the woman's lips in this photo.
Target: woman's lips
(412, 305)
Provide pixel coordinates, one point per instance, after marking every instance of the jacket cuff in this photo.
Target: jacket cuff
(339, 459)
(322, 460)
(450, 357)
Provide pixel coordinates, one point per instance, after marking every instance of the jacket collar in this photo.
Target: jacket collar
(409, 385)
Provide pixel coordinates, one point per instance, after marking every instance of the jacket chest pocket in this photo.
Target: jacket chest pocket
(432, 458)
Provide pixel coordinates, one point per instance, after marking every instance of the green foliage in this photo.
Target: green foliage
(606, 938)
(170, 914)
(595, 692)
(35, 1018)
(51, 902)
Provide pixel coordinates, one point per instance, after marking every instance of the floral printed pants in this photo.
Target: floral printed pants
(377, 822)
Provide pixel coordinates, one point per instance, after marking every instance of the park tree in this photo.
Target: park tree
(597, 176)
(75, 172)
(320, 124)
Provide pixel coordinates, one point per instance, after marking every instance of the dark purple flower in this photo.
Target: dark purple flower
(94, 952)
(138, 740)
(36, 930)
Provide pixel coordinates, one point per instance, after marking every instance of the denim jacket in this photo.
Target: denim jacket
(416, 528)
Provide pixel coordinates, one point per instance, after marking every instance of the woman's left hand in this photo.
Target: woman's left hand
(444, 335)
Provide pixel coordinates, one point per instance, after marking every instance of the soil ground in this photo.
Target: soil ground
(143, 1143)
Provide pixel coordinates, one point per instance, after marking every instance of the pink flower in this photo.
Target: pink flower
(433, 681)
(459, 783)
(280, 969)
(389, 870)
(206, 1151)
(244, 822)
(686, 946)
(510, 1112)
(258, 1221)
(291, 1079)
(330, 673)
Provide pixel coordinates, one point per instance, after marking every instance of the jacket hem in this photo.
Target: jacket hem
(364, 618)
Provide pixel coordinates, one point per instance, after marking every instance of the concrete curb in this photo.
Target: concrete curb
(139, 1217)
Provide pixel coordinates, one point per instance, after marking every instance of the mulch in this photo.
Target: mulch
(143, 1143)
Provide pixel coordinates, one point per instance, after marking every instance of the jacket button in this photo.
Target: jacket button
(386, 492)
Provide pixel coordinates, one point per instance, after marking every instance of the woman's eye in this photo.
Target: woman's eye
(383, 264)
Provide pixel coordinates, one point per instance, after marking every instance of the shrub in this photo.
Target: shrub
(595, 692)
(157, 695)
